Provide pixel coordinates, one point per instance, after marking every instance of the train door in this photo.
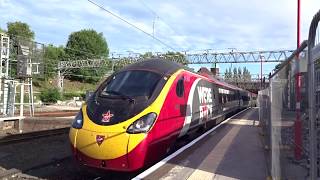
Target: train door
(215, 100)
(238, 99)
(221, 99)
(181, 97)
(241, 99)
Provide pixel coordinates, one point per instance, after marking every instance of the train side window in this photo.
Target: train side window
(180, 87)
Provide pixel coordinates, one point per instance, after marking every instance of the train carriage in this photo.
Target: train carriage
(138, 113)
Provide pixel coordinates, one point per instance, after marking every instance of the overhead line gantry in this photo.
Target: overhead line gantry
(193, 58)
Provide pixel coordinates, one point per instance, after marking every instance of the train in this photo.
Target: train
(137, 114)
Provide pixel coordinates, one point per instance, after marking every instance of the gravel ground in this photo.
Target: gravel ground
(33, 153)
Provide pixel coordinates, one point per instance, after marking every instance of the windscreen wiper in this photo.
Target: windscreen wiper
(96, 95)
(120, 94)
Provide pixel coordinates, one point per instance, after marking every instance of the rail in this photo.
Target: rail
(16, 138)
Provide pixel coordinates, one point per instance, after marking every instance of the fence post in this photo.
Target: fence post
(311, 91)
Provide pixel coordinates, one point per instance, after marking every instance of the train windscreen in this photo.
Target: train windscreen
(132, 83)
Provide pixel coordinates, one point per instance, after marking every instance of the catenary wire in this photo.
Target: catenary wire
(129, 23)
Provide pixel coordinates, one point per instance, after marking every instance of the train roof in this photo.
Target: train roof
(221, 82)
(155, 64)
(166, 67)
(206, 73)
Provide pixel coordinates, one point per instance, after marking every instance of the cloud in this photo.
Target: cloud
(184, 25)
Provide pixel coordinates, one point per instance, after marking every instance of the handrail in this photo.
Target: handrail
(303, 45)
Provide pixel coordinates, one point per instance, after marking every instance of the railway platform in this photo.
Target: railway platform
(232, 150)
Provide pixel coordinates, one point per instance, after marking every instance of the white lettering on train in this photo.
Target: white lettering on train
(205, 95)
(205, 100)
(205, 111)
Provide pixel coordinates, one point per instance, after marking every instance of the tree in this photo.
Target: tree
(235, 74)
(228, 74)
(52, 56)
(147, 55)
(246, 74)
(20, 30)
(87, 44)
(1, 30)
(240, 74)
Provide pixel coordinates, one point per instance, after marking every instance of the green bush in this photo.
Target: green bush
(50, 95)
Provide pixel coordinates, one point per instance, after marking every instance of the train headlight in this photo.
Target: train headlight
(78, 120)
(143, 124)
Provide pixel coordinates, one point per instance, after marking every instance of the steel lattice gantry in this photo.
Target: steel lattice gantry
(239, 57)
(75, 64)
(193, 58)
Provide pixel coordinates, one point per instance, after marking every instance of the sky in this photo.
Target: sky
(184, 25)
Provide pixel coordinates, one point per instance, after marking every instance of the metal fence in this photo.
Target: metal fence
(289, 113)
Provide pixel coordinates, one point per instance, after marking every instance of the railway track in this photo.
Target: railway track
(32, 135)
(56, 113)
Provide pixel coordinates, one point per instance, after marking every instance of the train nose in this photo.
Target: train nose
(102, 145)
(98, 148)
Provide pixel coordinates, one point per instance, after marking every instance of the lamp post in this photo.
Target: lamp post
(261, 57)
(298, 123)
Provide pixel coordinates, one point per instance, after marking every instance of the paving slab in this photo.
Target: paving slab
(232, 151)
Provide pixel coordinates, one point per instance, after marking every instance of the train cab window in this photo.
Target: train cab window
(132, 83)
(180, 87)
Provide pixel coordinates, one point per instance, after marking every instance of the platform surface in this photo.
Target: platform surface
(232, 151)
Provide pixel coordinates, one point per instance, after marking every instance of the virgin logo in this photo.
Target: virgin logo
(99, 139)
(107, 116)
